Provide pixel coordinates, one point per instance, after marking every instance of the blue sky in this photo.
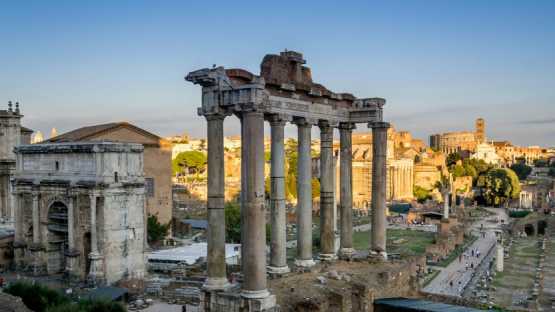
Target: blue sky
(439, 64)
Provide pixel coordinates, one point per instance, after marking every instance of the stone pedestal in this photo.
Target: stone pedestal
(96, 274)
(38, 266)
(72, 264)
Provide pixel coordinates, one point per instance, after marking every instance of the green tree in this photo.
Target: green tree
(421, 194)
(193, 161)
(156, 231)
(457, 171)
(452, 159)
(232, 212)
(522, 170)
(541, 162)
(315, 187)
(498, 186)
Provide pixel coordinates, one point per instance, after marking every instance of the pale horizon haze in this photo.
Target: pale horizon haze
(439, 64)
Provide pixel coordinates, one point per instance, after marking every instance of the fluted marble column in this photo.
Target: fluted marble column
(304, 196)
(327, 235)
(278, 243)
(379, 178)
(254, 223)
(71, 254)
(36, 218)
(216, 265)
(346, 190)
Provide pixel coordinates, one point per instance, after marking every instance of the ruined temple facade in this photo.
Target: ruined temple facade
(80, 210)
(12, 134)
(284, 92)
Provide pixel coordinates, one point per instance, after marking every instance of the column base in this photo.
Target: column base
(327, 257)
(272, 270)
(267, 303)
(304, 263)
(255, 294)
(346, 253)
(377, 255)
(38, 267)
(216, 284)
(96, 275)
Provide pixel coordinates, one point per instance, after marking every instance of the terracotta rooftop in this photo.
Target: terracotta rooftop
(85, 133)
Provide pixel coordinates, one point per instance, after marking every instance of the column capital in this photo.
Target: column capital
(379, 125)
(277, 119)
(215, 116)
(304, 122)
(347, 126)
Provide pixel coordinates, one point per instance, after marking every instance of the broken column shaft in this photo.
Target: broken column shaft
(254, 221)
(278, 248)
(327, 235)
(346, 189)
(379, 178)
(304, 196)
(216, 265)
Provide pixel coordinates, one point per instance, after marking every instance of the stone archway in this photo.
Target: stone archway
(57, 237)
(529, 229)
(542, 225)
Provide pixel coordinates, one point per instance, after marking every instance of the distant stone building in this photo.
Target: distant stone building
(487, 153)
(157, 160)
(400, 169)
(510, 153)
(80, 210)
(12, 134)
(463, 142)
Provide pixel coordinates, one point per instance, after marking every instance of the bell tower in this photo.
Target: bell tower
(480, 130)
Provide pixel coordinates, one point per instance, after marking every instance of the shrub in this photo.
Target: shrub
(35, 296)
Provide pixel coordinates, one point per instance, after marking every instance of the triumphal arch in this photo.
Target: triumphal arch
(284, 92)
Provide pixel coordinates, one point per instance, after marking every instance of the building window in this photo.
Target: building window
(149, 187)
(116, 178)
(57, 165)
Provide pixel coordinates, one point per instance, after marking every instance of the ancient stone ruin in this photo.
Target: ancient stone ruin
(284, 92)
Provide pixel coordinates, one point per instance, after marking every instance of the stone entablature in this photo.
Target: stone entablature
(80, 210)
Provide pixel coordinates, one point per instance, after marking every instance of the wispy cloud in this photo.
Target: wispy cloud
(539, 121)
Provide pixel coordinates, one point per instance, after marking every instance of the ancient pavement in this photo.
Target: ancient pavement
(457, 273)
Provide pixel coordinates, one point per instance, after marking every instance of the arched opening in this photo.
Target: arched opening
(529, 229)
(57, 237)
(542, 224)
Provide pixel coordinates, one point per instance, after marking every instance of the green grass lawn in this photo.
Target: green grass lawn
(404, 242)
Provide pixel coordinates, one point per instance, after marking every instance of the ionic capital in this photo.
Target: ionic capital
(277, 120)
(215, 116)
(379, 125)
(304, 122)
(347, 126)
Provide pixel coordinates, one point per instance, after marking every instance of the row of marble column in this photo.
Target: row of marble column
(253, 236)
(96, 272)
(402, 180)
